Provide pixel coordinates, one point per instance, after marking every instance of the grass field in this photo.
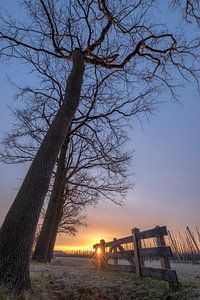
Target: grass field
(76, 278)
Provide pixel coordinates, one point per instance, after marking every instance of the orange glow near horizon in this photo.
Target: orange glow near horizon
(99, 251)
(69, 248)
(77, 243)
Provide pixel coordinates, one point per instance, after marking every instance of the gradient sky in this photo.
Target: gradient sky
(166, 164)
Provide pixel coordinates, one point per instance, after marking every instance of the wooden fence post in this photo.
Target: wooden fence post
(95, 258)
(135, 233)
(139, 247)
(161, 243)
(102, 256)
(115, 251)
(165, 264)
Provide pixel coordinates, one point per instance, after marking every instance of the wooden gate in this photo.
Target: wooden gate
(136, 257)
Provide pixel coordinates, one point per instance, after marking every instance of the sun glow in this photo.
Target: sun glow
(99, 250)
(80, 244)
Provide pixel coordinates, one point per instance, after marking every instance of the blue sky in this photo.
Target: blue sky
(166, 164)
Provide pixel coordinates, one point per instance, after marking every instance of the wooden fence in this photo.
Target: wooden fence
(104, 251)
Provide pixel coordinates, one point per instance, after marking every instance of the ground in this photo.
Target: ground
(76, 278)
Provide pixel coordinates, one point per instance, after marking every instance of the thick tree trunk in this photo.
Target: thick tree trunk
(18, 230)
(52, 241)
(42, 245)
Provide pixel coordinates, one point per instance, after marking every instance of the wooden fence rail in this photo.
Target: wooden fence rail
(136, 257)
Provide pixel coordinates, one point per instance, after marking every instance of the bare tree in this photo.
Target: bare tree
(24, 214)
(103, 151)
(190, 9)
(82, 159)
(110, 37)
(88, 150)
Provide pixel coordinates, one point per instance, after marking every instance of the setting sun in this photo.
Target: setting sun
(99, 250)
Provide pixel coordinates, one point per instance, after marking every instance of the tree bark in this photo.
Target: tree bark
(41, 250)
(18, 230)
(54, 233)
